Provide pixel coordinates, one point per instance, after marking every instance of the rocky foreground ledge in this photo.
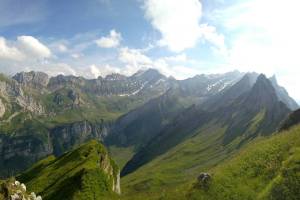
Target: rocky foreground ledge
(14, 190)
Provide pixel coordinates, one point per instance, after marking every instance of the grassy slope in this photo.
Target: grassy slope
(121, 155)
(266, 169)
(172, 174)
(74, 175)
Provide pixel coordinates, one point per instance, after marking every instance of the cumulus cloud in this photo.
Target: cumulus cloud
(33, 47)
(23, 49)
(28, 53)
(110, 41)
(54, 68)
(9, 52)
(102, 70)
(177, 21)
(134, 58)
(95, 71)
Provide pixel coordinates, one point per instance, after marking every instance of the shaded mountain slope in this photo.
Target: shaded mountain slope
(142, 124)
(135, 129)
(253, 113)
(292, 120)
(86, 172)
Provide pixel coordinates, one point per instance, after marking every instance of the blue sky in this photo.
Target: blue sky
(180, 38)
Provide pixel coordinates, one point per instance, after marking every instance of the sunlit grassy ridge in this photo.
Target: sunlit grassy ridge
(75, 175)
(266, 169)
(170, 175)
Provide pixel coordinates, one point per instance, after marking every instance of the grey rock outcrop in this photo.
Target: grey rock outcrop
(204, 180)
(2, 108)
(64, 137)
(37, 80)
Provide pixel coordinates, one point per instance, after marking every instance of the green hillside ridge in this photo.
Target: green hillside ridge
(266, 169)
(86, 172)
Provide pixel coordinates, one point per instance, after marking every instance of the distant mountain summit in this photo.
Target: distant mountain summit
(33, 79)
(283, 94)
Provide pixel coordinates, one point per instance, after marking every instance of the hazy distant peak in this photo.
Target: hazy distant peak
(115, 76)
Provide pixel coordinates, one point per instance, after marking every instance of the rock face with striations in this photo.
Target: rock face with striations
(64, 137)
(33, 147)
(2, 109)
(37, 80)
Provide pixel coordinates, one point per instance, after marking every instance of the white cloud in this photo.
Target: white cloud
(54, 68)
(95, 71)
(177, 21)
(111, 41)
(62, 48)
(210, 34)
(103, 70)
(27, 53)
(134, 58)
(9, 52)
(25, 48)
(33, 47)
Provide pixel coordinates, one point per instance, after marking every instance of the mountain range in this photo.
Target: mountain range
(161, 132)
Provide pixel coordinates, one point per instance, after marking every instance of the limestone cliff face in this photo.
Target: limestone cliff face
(13, 92)
(32, 147)
(17, 153)
(66, 136)
(107, 166)
(37, 80)
(2, 109)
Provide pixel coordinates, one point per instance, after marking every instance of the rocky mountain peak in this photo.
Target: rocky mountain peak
(33, 79)
(262, 93)
(273, 79)
(252, 77)
(283, 95)
(149, 74)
